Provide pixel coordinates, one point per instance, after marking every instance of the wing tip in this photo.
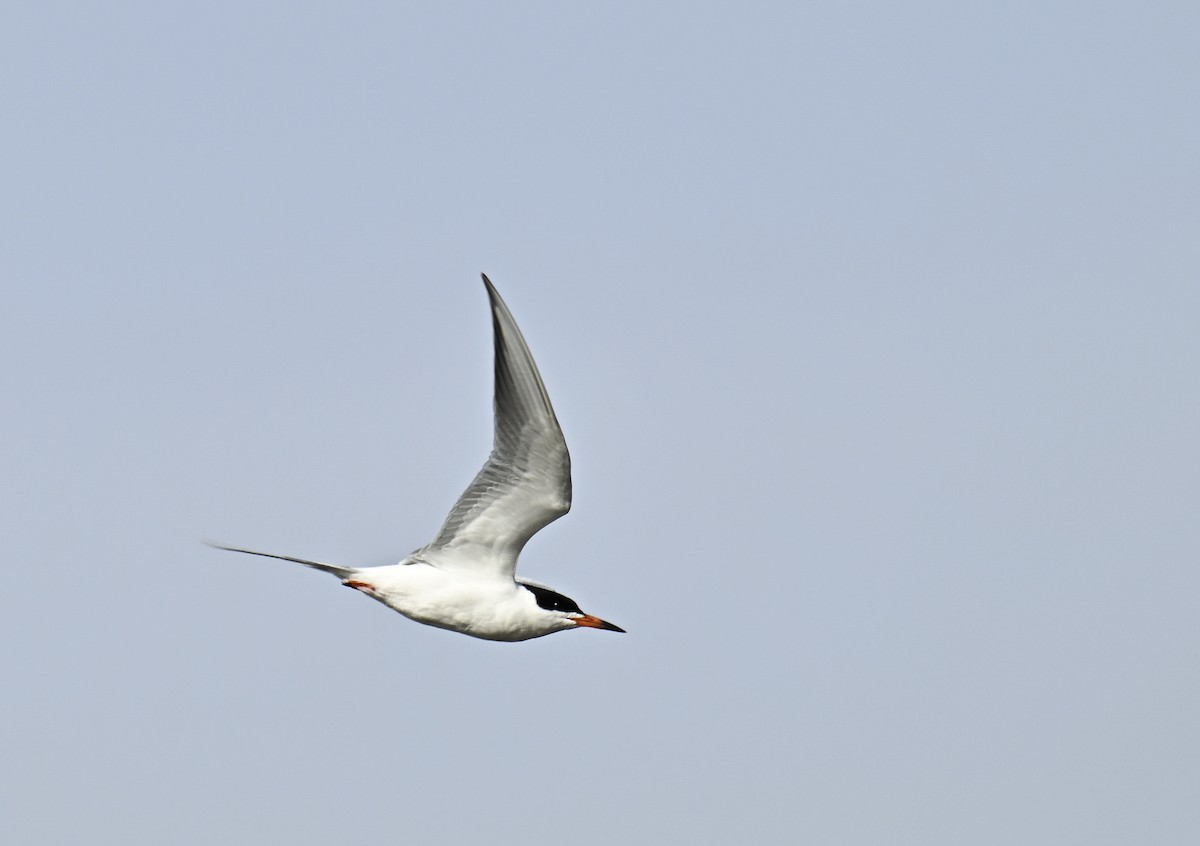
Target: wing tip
(497, 301)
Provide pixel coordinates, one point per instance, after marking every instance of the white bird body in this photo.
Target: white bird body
(464, 580)
(477, 605)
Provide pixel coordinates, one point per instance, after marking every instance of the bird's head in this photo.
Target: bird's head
(566, 609)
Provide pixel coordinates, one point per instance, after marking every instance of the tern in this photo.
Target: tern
(465, 579)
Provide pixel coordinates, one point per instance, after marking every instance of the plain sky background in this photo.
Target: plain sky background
(872, 328)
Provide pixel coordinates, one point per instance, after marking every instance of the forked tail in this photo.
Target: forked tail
(342, 573)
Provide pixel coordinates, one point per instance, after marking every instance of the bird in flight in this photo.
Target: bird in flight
(465, 579)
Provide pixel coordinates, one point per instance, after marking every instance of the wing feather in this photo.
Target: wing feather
(526, 482)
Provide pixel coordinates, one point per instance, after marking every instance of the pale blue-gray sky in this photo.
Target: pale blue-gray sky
(873, 331)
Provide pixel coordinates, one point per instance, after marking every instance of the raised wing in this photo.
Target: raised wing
(526, 482)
